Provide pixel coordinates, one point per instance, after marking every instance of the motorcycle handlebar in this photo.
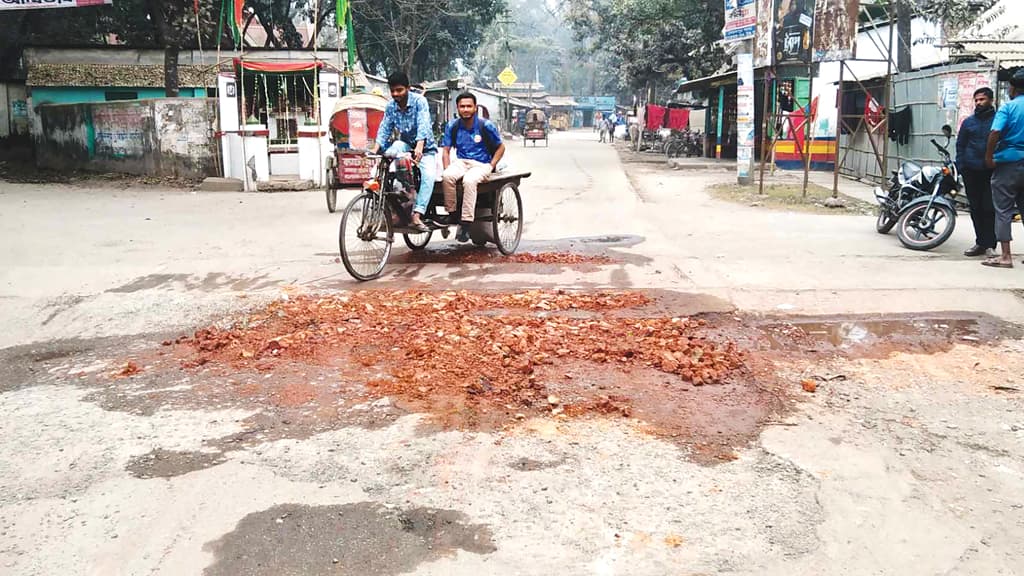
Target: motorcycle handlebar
(939, 147)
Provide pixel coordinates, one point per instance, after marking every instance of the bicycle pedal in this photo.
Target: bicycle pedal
(445, 232)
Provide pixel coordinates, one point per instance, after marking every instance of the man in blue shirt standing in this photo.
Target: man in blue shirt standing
(1005, 155)
(479, 149)
(409, 113)
(971, 144)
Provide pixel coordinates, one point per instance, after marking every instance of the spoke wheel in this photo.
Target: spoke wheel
(924, 228)
(417, 241)
(507, 219)
(332, 190)
(365, 236)
(886, 220)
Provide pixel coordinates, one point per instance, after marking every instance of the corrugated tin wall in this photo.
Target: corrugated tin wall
(920, 91)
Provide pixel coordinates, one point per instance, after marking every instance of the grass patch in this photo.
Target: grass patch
(790, 197)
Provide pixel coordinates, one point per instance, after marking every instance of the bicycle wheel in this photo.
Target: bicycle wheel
(417, 241)
(365, 237)
(507, 218)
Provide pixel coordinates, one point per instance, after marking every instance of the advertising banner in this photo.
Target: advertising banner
(36, 4)
(794, 20)
(744, 113)
(740, 19)
(835, 29)
(968, 83)
(764, 44)
(949, 89)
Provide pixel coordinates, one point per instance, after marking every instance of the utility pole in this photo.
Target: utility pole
(507, 112)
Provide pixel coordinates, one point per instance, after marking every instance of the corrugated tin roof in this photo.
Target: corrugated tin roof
(723, 78)
(997, 35)
(1009, 53)
(566, 101)
(519, 103)
(116, 76)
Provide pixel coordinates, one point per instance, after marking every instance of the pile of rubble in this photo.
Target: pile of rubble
(498, 348)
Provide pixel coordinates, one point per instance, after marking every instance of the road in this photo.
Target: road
(909, 459)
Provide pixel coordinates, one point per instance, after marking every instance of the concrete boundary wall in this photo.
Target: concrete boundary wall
(172, 137)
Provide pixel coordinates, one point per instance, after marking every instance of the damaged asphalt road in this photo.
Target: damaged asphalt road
(175, 468)
(123, 455)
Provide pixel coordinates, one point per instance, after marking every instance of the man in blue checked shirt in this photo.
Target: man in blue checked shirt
(410, 115)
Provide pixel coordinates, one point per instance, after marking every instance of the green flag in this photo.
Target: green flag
(341, 13)
(350, 40)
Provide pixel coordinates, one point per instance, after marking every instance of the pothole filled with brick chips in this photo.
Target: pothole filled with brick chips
(484, 361)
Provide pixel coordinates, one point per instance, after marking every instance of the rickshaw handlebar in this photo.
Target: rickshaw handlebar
(373, 156)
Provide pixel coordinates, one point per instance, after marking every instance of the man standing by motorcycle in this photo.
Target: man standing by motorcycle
(1005, 155)
(409, 113)
(971, 144)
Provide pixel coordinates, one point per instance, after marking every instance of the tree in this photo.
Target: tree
(166, 24)
(653, 38)
(536, 40)
(953, 15)
(171, 25)
(423, 36)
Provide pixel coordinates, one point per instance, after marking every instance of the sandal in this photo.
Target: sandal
(419, 226)
(995, 263)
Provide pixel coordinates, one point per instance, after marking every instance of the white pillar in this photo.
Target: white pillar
(745, 112)
(230, 141)
(311, 164)
(257, 157)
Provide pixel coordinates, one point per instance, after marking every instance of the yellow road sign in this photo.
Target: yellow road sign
(507, 76)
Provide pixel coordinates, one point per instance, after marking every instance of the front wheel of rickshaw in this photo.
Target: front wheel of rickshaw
(365, 236)
(417, 241)
(507, 218)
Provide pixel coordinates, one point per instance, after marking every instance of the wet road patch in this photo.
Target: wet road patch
(366, 538)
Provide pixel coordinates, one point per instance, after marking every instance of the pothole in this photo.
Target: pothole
(160, 463)
(366, 538)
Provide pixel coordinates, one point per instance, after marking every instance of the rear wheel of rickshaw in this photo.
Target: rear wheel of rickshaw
(332, 199)
(417, 241)
(365, 237)
(507, 218)
(332, 187)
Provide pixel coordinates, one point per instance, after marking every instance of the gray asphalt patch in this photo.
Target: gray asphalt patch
(365, 538)
(160, 463)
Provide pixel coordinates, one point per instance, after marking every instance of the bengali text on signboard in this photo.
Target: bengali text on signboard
(740, 19)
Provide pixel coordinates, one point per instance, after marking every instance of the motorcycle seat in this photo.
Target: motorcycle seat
(908, 170)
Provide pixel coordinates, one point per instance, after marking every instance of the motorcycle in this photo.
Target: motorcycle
(922, 201)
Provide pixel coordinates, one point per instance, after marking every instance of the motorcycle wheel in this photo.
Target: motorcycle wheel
(886, 220)
(918, 227)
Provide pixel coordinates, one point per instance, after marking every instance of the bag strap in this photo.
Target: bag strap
(488, 141)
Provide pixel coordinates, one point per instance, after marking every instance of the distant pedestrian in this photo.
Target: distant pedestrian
(603, 128)
(1005, 155)
(971, 144)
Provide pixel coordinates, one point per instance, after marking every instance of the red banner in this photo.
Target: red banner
(275, 67)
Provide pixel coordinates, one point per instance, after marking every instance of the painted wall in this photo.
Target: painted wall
(166, 137)
(76, 95)
(14, 120)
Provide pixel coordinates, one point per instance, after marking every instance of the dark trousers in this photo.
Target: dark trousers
(1007, 196)
(983, 212)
